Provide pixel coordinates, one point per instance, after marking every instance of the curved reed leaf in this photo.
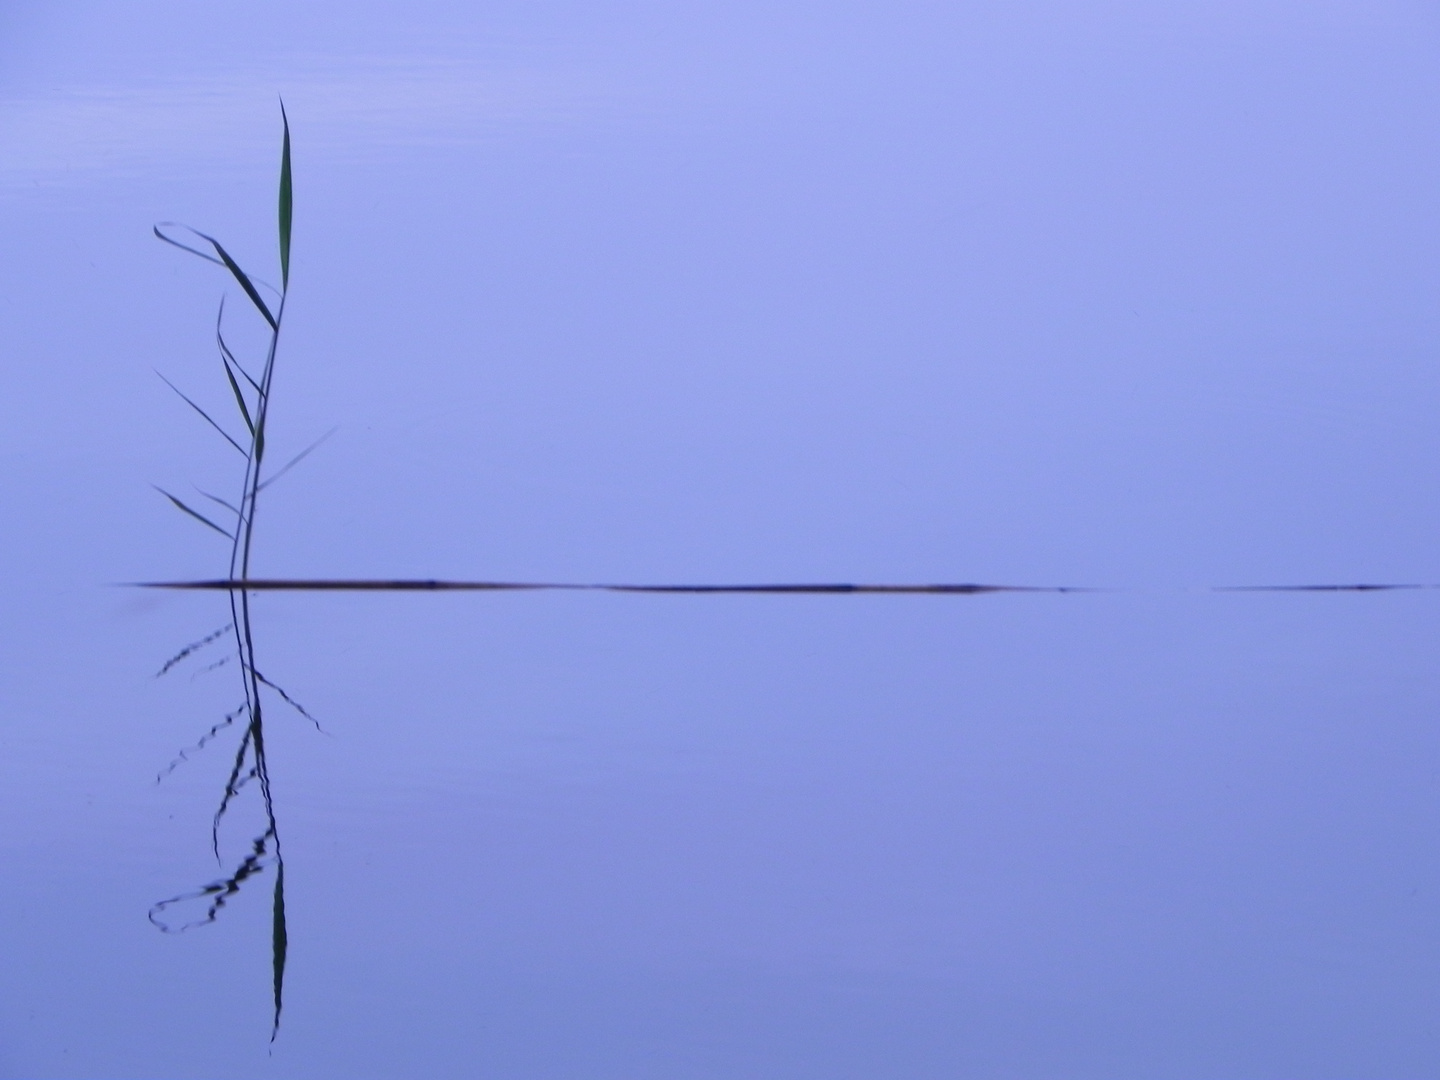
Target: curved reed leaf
(183, 247)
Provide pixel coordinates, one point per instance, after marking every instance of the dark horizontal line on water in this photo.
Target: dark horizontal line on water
(433, 585)
(430, 585)
(1318, 588)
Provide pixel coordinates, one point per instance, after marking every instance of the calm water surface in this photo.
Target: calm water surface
(1136, 296)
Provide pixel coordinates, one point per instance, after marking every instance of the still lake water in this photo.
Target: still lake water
(1136, 296)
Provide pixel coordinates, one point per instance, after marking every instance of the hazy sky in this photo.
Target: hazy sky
(1139, 296)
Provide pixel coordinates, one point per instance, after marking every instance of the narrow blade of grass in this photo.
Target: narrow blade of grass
(225, 352)
(196, 514)
(244, 280)
(208, 418)
(221, 502)
(239, 397)
(297, 459)
(184, 247)
(286, 202)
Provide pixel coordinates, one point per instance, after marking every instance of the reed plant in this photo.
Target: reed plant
(235, 518)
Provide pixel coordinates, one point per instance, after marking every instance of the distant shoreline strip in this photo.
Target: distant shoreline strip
(436, 585)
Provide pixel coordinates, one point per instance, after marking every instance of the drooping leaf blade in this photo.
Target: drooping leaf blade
(208, 418)
(195, 514)
(221, 502)
(184, 247)
(244, 280)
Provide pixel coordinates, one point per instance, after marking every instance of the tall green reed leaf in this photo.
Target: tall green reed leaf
(286, 202)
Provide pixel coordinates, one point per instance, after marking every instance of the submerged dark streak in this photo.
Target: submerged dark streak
(427, 585)
(1317, 588)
